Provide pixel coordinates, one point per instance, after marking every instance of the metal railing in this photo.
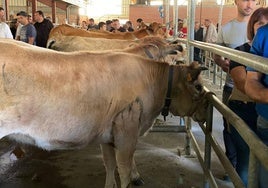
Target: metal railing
(215, 72)
(258, 150)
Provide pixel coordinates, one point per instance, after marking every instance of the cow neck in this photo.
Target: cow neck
(134, 36)
(165, 109)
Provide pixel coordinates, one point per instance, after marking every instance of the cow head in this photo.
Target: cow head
(188, 97)
(63, 29)
(157, 29)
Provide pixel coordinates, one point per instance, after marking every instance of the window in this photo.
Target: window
(99, 8)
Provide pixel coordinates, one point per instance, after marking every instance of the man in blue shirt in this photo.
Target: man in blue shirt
(28, 31)
(256, 87)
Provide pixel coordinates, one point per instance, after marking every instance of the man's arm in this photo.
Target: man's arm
(31, 40)
(254, 88)
(17, 37)
(239, 74)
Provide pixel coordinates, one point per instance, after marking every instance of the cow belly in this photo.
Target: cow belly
(52, 125)
(69, 134)
(63, 140)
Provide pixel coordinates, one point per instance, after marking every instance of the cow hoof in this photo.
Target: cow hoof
(138, 182)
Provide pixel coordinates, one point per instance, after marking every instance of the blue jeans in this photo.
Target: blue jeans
(247, 112)
(230, 149)
(262, 131)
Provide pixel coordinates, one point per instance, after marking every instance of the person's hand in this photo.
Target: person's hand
(225, 65)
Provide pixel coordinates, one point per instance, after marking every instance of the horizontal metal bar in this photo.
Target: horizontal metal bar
(168, 128)
(257, 62)
(246, 133)
(253, 171)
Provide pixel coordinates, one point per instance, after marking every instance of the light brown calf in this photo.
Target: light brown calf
(76, 43)
(155, 29)
(152, 47)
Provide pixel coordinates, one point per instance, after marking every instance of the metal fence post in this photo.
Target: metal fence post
(188, 127)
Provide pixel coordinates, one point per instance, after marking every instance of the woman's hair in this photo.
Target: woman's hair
(257, 15)
(101, 24)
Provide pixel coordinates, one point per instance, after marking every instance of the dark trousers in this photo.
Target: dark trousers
(230, 149)
(197, 56)
(247, 112)
(262, 132)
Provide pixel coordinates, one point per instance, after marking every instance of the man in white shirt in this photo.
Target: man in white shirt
(211, 32)
(5, 31)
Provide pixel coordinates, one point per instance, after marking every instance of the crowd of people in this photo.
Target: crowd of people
(113, 25)
(24, 28)
(245, 91)
(36, 30)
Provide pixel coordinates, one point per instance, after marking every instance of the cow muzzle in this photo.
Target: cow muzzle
(200, 112)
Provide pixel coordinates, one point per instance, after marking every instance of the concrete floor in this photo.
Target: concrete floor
(160, 159)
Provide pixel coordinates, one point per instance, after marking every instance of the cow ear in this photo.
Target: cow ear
(147, 47)
(194, 71)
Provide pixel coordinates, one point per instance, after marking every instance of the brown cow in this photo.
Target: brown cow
(58, 100)
(153, 47)
(154, 29)
(77, 43)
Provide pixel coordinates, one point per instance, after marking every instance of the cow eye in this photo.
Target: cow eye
(199, 87)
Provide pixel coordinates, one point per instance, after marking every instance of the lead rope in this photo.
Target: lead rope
(165, 109)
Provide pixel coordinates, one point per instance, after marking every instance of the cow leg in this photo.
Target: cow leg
(135, 176)
(124, 166)
(125, 132)
(110, 165)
